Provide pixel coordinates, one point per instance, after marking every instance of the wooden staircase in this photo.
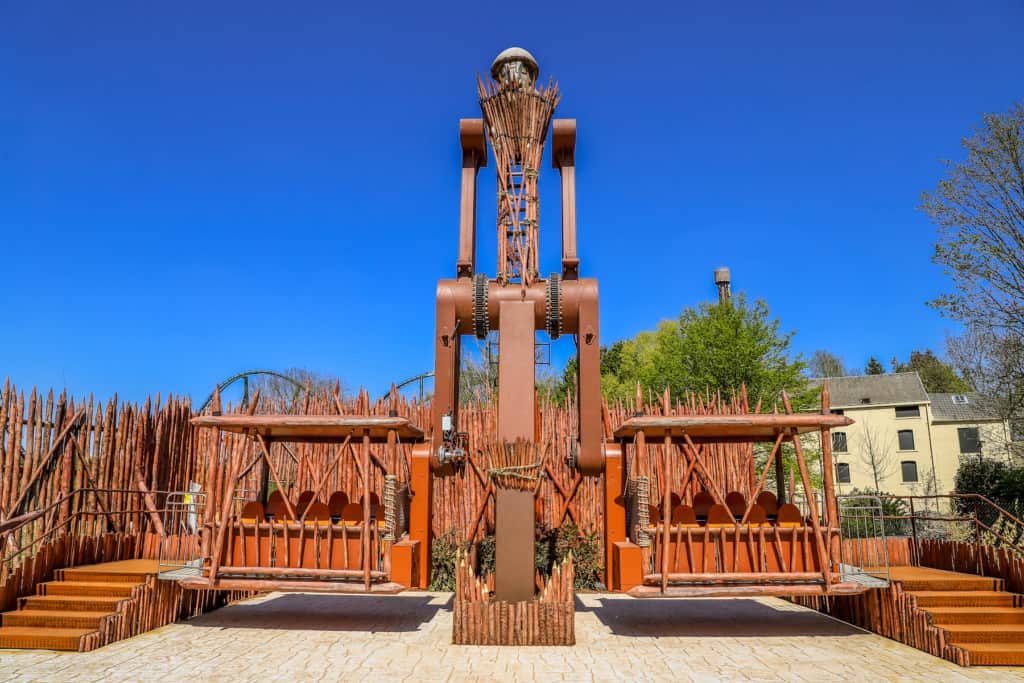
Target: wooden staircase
(68, 613)
(976, 612)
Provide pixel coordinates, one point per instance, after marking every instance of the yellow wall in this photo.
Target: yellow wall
(936, 449)
(878, 426)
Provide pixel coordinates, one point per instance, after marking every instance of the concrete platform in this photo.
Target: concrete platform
(305, 637)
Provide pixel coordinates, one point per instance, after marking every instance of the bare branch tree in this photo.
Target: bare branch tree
(875, 454)
(979, 210)
(826, 364)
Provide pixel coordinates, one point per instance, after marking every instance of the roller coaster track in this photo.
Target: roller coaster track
(244, 378)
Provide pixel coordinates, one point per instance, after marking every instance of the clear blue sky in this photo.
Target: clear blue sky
(199, 188)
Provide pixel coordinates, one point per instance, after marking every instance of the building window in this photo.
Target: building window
(906, 437)
(839, 442)
(909, 468)
(843, 473)
(970, 442)
(908, 411)
(960, 399)
(837, 411)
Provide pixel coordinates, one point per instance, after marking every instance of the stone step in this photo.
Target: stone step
(53, 618)
(953, 583)
(36, 638)
(71, 603)
(927, 599)
(83, 588)
(93, 576)
(986, 633)
(995, 654)
(943, 616)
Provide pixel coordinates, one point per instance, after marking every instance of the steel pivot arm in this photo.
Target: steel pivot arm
(563, 157)
(474, 157)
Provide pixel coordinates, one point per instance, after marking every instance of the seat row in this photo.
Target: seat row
(337, 510)
(706, 512)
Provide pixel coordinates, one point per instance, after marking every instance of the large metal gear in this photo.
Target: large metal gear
(481, 322)
(553, 317)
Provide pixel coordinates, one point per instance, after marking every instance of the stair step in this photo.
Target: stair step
(35, 638)
(53, 618)
(71, 603)
(947, 616)
(956, 583)
(986, 633)
(995, 654)
(927, 599)
(91, 576)
(86, 588)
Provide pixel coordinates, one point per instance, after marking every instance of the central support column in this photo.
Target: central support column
(514, 509)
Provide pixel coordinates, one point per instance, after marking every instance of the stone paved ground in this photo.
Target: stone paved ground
(305, 637)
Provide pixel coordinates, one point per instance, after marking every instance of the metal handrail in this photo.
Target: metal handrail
(35, 515)
(979, 525)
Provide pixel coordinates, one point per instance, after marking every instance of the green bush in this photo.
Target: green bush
(443, 552)
(1003, 484)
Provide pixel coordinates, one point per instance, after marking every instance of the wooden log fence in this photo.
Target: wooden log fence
(548, 619)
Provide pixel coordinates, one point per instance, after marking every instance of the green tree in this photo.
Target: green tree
(936, 375)
(719, 346)
(874, 367)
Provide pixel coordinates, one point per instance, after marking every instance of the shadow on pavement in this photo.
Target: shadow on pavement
(320, 612)
(723, 617)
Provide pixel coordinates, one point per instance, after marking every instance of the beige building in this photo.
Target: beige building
(906, 441)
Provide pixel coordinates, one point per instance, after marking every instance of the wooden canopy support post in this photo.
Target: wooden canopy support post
(819, 539)
(366, 512)
(828, 475)
(225, 517)
(780, 480)
(666, 510)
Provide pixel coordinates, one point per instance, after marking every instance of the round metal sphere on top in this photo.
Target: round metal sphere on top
(516, 62)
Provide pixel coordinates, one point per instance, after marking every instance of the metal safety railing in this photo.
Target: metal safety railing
(181, 548)
(864, 550)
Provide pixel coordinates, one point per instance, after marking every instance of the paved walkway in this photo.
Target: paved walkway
(304, 637)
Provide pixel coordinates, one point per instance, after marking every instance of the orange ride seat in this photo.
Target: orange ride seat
(719, 515)
(769, 502)
(757, 516)
(736, 503)
(278, 510)
(305, 498)
(337, 503)
(654, 514)
(352, 514)
(252, 512)
(684, 516)
(318, 513)
(702, 502)
(789, 516)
